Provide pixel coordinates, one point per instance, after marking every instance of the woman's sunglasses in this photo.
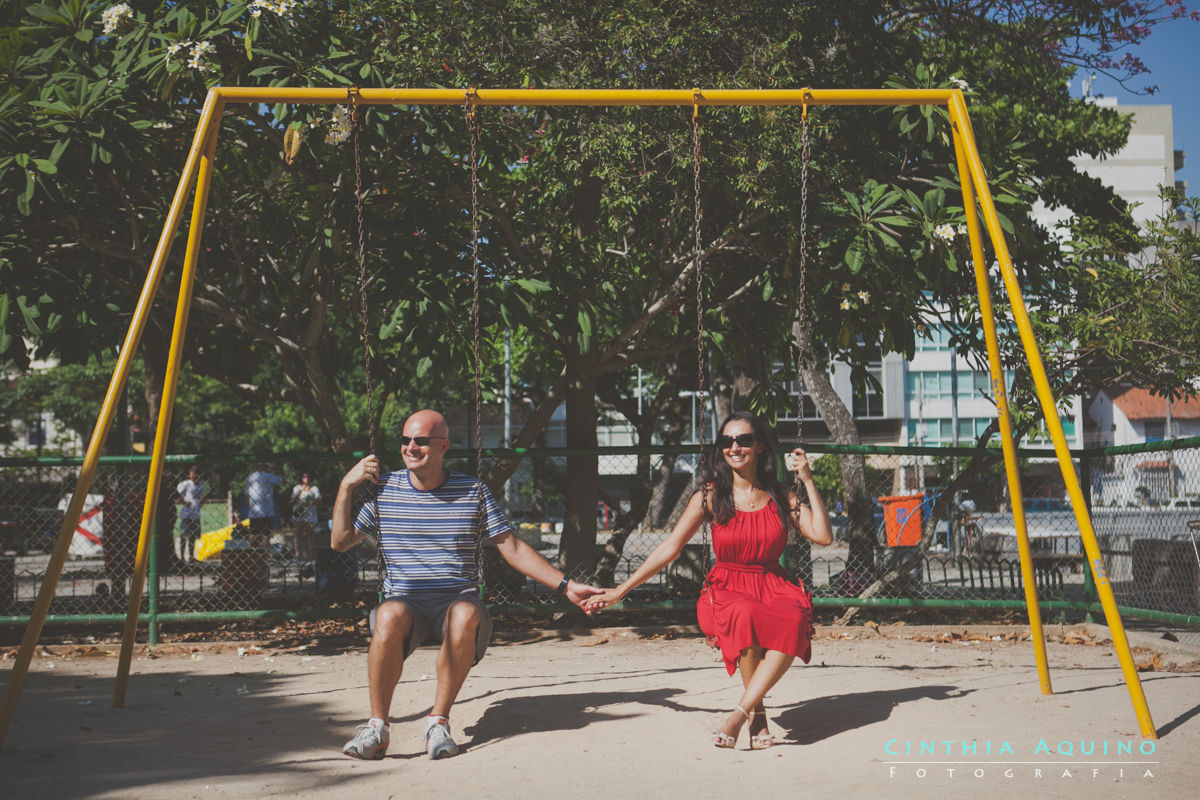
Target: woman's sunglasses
(743, 440)
(419, 441)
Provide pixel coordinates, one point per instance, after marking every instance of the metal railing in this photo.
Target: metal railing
(925, 541)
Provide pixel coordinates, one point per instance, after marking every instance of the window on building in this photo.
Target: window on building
(1041, 435)
(1155, 430)
(937, 432)
(868, 399)
(36, 433)
(937, 338)
(981, 384)
(810, 408)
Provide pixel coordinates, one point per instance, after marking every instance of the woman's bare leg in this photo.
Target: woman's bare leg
(760, 670)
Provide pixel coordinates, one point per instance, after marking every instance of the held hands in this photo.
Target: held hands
(603, 599)
(797, 461)
(581, 594)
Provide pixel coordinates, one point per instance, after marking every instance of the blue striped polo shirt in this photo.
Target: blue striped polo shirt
(429, 537)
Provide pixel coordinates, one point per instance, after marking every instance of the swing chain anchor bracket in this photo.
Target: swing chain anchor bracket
(697, 96)
(471, 100)
(805, 97)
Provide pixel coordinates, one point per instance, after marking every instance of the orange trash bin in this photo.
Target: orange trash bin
(902, 519)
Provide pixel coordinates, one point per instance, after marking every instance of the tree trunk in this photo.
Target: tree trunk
(640, 491)
(859, 503)
(155, 351)
(743, 384)
(722, 385)
(577, 549)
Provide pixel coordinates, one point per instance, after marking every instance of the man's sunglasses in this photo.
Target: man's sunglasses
(419, 441)
(743, 440)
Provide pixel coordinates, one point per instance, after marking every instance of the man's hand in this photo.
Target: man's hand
(365, 470)
(579, 593)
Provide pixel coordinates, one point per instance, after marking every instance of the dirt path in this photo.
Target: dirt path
(615, 713)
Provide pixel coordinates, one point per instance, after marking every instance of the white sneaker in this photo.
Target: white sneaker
(369, 742)
(437, 740)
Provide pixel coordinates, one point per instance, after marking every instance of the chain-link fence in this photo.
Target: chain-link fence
(909, 524)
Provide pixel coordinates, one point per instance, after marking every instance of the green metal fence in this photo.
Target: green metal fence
(931, 527)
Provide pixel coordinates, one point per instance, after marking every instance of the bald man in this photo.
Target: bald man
(431, 520)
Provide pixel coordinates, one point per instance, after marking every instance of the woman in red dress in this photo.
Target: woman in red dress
(759, 619)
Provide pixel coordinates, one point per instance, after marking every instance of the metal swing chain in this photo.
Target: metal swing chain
(362, 266)
(698, 257)
(802, 283)
(473, 128)
(355, 124)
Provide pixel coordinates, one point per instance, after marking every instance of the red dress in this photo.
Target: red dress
(748, 599)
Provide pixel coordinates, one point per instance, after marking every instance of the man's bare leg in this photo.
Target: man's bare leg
(455, 659)
(457, 654)
(385, 659)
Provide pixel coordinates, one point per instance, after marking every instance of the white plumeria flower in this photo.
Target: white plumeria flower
(340, 126)
(173, 49)
(200, 49)
(115, 17)
(944, 232)
(845, 305)
(865, 296)
(959, 83)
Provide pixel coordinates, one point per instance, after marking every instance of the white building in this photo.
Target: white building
(1132, 416)
(39, 430)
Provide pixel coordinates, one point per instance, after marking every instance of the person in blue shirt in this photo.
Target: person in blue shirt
(427, 520)
(260, 503)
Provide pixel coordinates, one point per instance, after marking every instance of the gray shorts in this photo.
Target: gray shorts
(428, 611)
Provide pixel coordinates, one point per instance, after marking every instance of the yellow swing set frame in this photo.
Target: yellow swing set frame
(197, 174)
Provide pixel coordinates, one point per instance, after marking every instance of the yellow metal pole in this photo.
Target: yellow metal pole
(91, 459)
(1054, 426)
(999, 392)
(166, 409)
(591, 97)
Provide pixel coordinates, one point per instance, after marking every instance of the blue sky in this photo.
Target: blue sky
(1172, 52)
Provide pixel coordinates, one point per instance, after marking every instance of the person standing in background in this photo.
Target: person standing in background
(191, 492)
(305, 497)
(260, 504)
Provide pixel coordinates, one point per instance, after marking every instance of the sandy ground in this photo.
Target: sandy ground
(906, 711)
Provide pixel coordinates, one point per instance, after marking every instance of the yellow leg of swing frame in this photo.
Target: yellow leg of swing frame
(91, 459)
(1045, 396)
(161, 436)
(999, 392)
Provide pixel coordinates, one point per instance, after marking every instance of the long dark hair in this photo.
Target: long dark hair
(721, 492)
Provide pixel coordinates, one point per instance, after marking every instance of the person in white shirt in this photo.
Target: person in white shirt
(305, 498)
(191, 494)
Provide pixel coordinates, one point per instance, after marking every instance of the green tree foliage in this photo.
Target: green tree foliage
(586, 240)
(1130, 313)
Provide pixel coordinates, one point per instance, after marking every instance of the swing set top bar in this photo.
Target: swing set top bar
(591, 97)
